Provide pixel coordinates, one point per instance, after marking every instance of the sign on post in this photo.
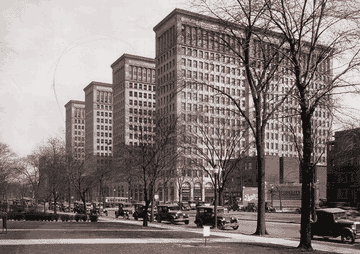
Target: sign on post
(206, 232)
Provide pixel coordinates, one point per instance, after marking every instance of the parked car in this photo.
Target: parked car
(333, 222)
(269, 208)
(171, 213)
(124, 209)
(205, 216)
(140, 212)
(251, 207)
(185, 206)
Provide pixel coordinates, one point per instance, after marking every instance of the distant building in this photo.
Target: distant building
(343, 169)
(75, 129)
(98, 120)
(98, 130)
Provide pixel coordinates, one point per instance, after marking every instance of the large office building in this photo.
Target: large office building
(75, 129)
(192, 66)
(134, 99)
(134, 111)
(98, 120)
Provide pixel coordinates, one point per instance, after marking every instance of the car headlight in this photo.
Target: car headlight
(353, 227)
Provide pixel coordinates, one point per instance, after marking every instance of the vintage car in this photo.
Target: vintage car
(333, 222)
(171, 213)
(205, 216)
(124, 209)
(140, 212)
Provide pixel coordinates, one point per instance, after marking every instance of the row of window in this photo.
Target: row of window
(136, 119)
(141, 86)
(213, 67)
(146, 96)
(209, 130)
(79, 121)
(211, 56)
(140, 111)
(103, 148)
(142, 128)
(205, 98)
(140, 103)
(213, 78)
(103, 97)
(106, 107)
(102, 127)
(104, 134)
(103, 154)
(79, 127)
(145, 137)
(81, 133)
(106, 141)
(142, 74)
(102, 120)
(102, 113)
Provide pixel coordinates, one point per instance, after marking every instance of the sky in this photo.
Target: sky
(52, 49)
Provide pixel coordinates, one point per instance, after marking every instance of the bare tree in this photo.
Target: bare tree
(52, 165)
(317, 33)
(243, 32)
(28, 168)
(206, 147)
(7, 157)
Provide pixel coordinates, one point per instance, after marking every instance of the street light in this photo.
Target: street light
(114, 198)
(216, 171)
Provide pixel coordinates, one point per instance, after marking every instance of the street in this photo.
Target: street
(128, 236)
(278, 225)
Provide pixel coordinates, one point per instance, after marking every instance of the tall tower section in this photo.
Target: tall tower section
(134, 99)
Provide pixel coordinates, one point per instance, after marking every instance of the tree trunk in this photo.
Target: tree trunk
(305, 227)
(261, 226)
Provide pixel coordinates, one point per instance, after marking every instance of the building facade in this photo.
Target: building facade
(134, 99)
(192, 66)
(98, 120)
(343, 169)
(75, 129)
(99, 133)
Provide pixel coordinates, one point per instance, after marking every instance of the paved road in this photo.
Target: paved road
(128, 236)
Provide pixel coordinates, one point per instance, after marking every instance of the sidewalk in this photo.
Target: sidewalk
(241, 238)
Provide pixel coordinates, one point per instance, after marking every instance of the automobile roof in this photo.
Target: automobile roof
(331, 210)
(209, 206)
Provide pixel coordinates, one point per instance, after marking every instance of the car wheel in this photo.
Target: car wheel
(199, 224)
(158, 219)
(220, 225)
(186, 222)
(347, 237)
(136, 218)
(235, 227)
(172, 221)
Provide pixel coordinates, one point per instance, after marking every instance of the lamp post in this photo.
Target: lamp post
(114, 198)
(216, 171)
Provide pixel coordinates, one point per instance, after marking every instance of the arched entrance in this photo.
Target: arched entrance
(209, 193)
(185, 192)
(197, 192)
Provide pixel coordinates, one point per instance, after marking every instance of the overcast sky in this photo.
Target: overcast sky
(62, 46)
(52, 49)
